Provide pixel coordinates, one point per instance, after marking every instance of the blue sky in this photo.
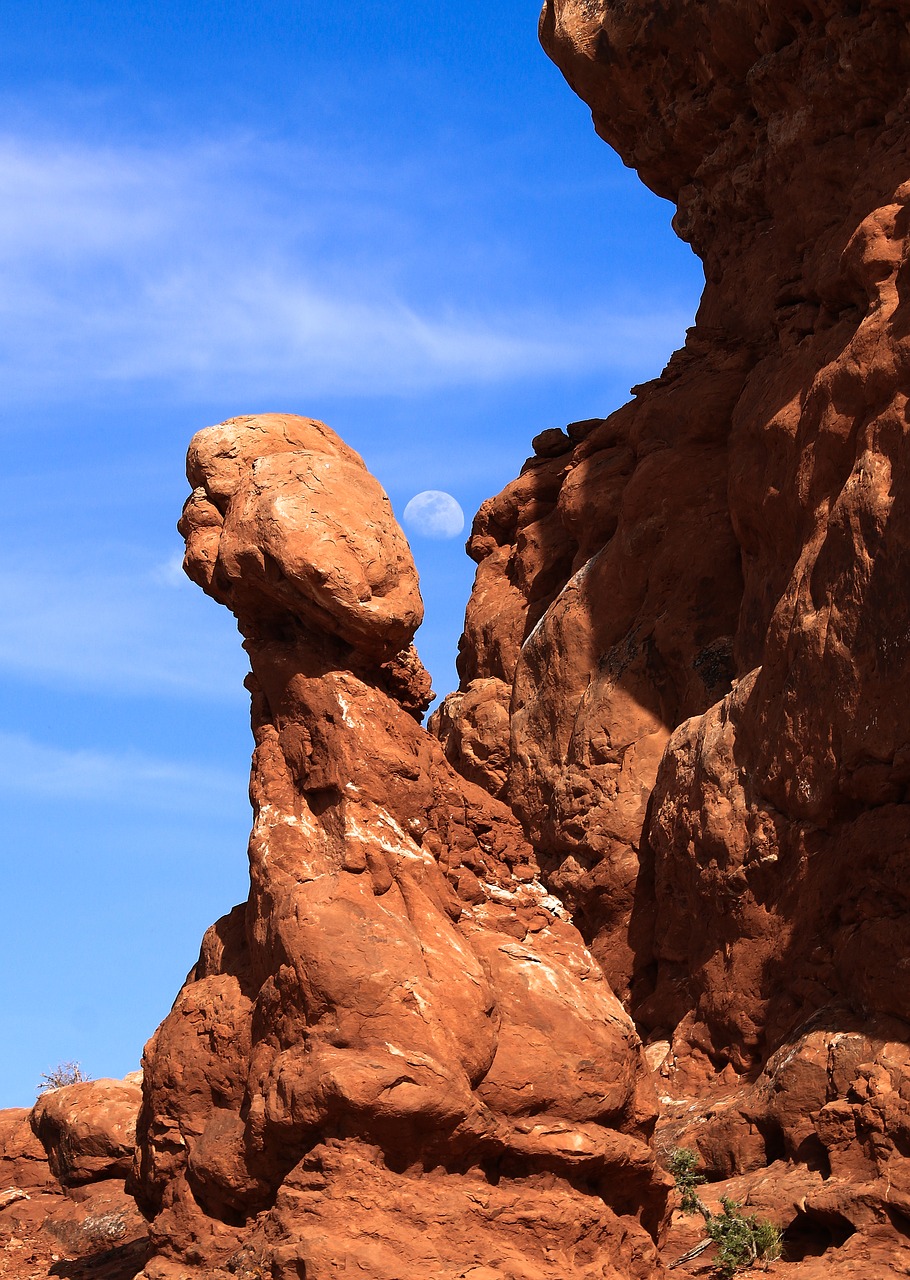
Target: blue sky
(394, 218)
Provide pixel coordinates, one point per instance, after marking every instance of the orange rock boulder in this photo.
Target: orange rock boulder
(88, 1130)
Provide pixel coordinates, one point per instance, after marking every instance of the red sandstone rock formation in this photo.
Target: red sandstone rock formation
(88, 1130)
(696, 611)
(685, 668)
(63, 1207)
(398, 1056)
(24, 1171)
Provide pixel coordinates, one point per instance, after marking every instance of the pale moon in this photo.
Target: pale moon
(434, 514)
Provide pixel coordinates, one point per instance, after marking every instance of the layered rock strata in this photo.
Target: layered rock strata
(398, 1056)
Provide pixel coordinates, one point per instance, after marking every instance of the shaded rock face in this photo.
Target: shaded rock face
(696, 610)
(696, 613)
(399, 1053)
(23, 1162)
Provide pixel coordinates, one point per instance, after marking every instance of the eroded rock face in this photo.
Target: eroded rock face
(23, 1162)
(685, 672)
(88, 1130)
(63, 1206)
(697, 608)
(717, 565)
(401, 1016)
(778, 822)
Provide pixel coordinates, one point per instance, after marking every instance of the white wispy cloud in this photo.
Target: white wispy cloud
(124, 631)
(129, 778)
(169, 572)
(230, 268)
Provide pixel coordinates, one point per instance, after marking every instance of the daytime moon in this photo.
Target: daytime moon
(434, 514)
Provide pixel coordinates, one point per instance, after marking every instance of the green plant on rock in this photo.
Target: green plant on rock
(741, 1240)
(681, 1165)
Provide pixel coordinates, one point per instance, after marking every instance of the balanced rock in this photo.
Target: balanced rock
(399, 1052)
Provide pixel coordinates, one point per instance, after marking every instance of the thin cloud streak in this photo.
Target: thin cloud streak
(120, 633)
(126, 780)
(185, 269)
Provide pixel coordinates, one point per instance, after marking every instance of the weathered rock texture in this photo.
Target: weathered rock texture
(683, 718)
(63, 1206)
(88, 1130)
(398, 1057)
(696, 613)
(23, 1163)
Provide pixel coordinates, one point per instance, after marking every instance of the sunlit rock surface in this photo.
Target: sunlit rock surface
(63, 1207)
(398, 1054)
(672, 787)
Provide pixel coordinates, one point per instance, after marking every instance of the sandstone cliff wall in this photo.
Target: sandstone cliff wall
(690, 627)
(735, 532)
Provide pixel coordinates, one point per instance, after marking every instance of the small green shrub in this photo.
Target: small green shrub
(682, 1166)
(741, 1241)
(63, 1074)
